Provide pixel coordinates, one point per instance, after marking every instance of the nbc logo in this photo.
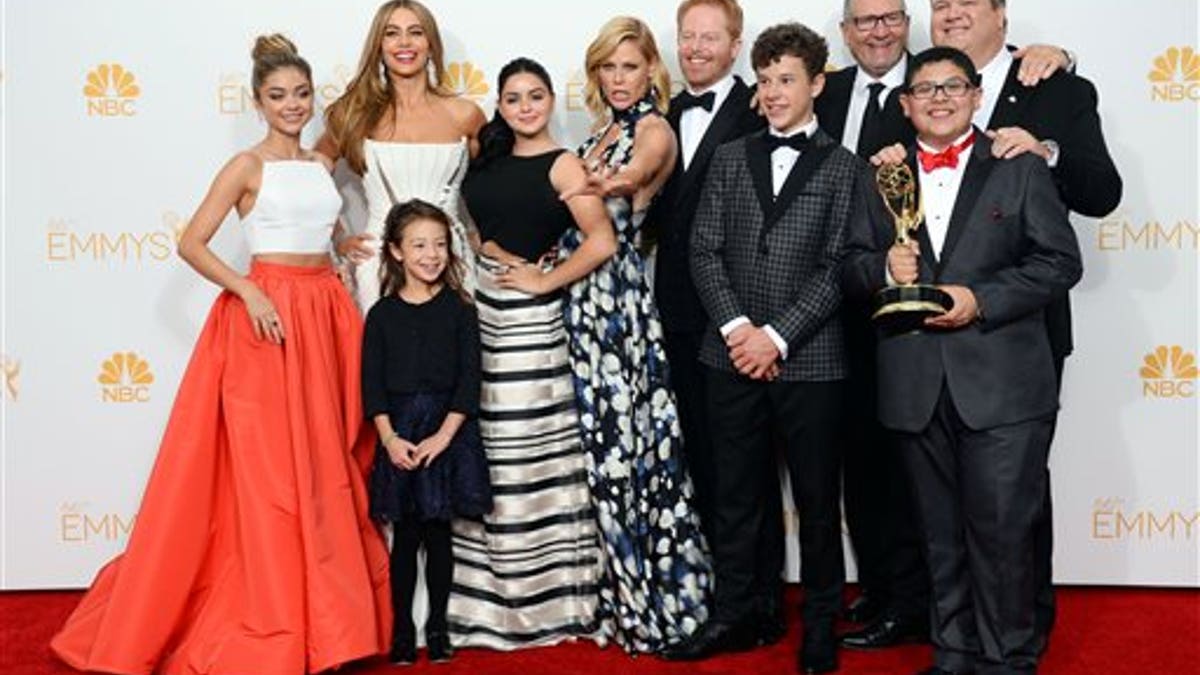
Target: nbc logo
(1169, 372)
(466, 80)
(110, 91)
(1176, 75)
(125, 378)
(10, 369)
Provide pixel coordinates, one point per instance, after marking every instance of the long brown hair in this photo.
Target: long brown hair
(351, 119)
(391, 271)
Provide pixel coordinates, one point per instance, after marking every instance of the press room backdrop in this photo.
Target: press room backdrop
(116, 116)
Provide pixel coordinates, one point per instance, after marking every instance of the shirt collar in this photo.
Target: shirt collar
(720, 89)
(810, 128)
(997, 68)
(891, 79)
(956, 141)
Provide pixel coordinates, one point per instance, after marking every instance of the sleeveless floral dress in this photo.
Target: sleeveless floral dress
(657, 576)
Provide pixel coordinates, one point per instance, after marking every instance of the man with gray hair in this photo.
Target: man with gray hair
(860, 106)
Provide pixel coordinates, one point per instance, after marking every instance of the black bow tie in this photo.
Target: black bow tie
(688, 100)
(796, 142)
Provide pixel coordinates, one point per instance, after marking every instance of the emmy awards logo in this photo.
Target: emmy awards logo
(904, 307)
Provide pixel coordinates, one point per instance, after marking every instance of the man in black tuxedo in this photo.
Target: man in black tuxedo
(713, 108)
(860, 106)
(1057, 121)
(972, 394)
(766, 253)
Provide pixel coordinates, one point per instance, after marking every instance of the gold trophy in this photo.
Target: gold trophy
(904, 307)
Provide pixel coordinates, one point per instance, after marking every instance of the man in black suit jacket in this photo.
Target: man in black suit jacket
(973, 394)
(766, 253)
(1058, 121)
(713, 109)
(860, 106)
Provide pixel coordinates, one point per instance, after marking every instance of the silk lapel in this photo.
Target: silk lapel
(806, 165)
(1010, 105)
(759, 162)
(928, 261)
(716, 134)
(976, 175)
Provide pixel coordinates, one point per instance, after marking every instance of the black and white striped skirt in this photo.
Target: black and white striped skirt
(526, 575)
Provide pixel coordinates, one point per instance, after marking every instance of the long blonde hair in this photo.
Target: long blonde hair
(351, 119)
(611, 35)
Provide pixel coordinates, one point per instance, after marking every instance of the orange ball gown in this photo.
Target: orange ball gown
(252, 551)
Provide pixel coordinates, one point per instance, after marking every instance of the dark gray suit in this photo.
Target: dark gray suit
(776, 260)
(976, 405)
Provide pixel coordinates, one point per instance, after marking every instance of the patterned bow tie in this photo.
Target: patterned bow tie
(688, 100)
(796, 142)
(947, 158)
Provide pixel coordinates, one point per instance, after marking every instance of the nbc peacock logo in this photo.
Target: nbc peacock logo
(1169, 372)
(125, 377)
(10, 369)
(1176, 75)
(464, 79)
(111, 91)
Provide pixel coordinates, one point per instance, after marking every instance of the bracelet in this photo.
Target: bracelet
(391, 437)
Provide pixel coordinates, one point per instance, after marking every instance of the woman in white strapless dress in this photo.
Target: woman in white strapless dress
(401, 129)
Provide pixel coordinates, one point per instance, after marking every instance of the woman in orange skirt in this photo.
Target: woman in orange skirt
(253, 551)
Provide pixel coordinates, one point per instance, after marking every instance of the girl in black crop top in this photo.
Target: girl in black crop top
(420, 385)
(512, 190)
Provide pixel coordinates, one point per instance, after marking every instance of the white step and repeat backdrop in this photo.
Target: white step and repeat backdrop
(117, 114)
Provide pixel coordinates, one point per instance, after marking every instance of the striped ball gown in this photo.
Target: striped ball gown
(526, 574)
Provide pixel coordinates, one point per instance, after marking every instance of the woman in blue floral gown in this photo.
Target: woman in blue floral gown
(657, 576)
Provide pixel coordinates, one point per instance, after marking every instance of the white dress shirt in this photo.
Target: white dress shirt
(939, 190)
(993, 75)
(858, 99)
(783, 160)
(693, 123)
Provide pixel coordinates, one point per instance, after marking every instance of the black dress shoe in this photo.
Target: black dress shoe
(716, 637)
(818, 653)
(404, 651)
(439, 647)
(888, 630)
(771, 627)
(863, 609)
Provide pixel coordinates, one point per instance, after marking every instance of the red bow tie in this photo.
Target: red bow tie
(947, 158)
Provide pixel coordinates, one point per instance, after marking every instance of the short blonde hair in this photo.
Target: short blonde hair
(733, 13)
(611, 35)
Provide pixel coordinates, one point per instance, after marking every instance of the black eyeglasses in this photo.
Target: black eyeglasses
(868, 22)
(954, 88)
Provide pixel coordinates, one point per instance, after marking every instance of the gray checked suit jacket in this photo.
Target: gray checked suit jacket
(776, 260)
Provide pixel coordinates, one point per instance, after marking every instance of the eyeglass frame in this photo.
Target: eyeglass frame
(935, 87)
(899, 17)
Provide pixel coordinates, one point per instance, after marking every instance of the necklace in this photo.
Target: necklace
(275, 155)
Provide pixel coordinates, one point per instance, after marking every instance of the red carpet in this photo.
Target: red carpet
(1106, 631)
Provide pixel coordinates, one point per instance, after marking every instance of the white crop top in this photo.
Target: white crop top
(297, 206)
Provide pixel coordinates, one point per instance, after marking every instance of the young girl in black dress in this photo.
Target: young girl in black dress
(420, 381)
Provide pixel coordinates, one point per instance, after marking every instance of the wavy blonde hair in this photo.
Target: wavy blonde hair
(612, 34)
(350, 119)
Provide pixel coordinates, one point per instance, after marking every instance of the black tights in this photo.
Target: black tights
(439, 566)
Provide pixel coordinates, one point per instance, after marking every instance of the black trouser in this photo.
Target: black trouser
(978, 495)
(745, 417)
(690, 383)
(408, 537)
(878, 500)
(1043, 546)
